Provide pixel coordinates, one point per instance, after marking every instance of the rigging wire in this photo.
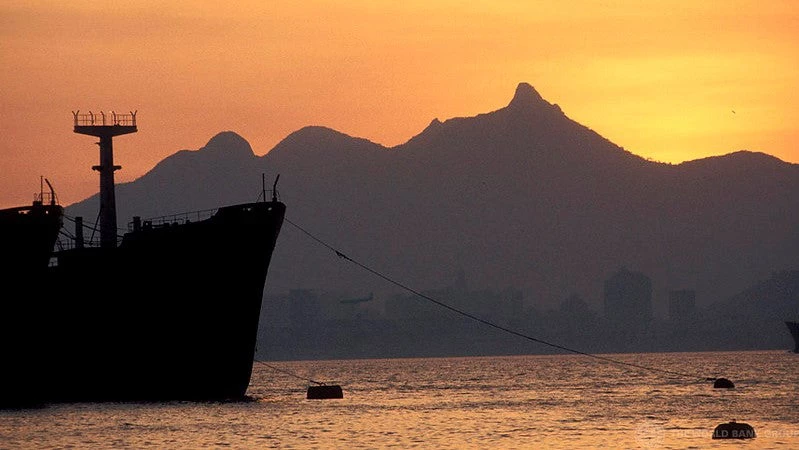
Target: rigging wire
(120, 232)
(487, 322)
(93, 229)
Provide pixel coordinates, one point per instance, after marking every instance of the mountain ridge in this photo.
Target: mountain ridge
(521, 196)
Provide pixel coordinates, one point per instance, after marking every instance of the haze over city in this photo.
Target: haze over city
(671, 81)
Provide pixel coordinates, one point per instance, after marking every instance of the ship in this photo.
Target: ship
(794, 328)
(168, 311)
(27, 236)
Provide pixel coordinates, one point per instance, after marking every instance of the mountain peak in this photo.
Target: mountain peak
(228, 143)
(228, 139)
(525, 96)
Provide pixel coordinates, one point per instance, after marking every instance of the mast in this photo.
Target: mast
(106, 128)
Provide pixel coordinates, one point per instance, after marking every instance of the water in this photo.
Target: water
(552, 402)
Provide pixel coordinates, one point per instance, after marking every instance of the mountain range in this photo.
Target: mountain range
(522, 196)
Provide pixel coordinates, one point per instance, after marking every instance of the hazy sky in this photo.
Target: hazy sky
(667, 80)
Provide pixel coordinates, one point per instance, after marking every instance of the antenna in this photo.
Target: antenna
(52, 192)
(274, 189)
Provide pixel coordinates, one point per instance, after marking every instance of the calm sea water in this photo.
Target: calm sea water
(552, 402)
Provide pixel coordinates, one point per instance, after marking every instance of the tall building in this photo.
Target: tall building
(628, 298)
(682, 305)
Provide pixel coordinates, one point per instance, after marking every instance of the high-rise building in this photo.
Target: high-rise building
(682, 305)
(628, 298)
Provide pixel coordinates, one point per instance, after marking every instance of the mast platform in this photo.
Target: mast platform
(106, 126)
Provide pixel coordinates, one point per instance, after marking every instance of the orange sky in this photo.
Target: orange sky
(661, 79)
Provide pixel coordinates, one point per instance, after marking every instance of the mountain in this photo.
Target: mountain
(522, 196)
(754, 318)
(224, 171)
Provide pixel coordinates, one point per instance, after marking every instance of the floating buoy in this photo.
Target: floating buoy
(723, 383)
(325, 391)
(734, 430)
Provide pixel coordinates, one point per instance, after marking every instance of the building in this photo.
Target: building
(682, 305)
(628, 299)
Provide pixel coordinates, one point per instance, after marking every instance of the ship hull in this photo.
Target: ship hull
(27, 237)
(170, 314)
(794, 327)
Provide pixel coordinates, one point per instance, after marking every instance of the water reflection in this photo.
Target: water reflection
(498, 402)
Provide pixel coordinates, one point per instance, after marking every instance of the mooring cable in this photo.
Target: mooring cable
(278, 369)
(487, 322)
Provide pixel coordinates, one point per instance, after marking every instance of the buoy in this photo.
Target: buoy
(723, 383)
(325, 391)
(734, 430)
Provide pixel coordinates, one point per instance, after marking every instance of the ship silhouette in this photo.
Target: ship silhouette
(168, 312)
(794, 328)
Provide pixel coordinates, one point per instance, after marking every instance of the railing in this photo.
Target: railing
(175, 219)
(102, 119)
(65, 242)
(41, 197)
(45, 198)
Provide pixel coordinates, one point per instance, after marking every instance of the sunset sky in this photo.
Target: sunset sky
(668, 80)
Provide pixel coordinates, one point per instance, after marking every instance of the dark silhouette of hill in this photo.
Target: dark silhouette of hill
(755, 318)
(223, 172)
(522, 196)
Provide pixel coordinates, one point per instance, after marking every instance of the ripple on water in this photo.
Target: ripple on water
(555, 402)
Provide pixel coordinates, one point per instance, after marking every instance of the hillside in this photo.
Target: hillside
(520, 197)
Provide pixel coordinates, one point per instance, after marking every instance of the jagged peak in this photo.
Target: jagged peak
(428, 133)
(525, 96)
(434, 124)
